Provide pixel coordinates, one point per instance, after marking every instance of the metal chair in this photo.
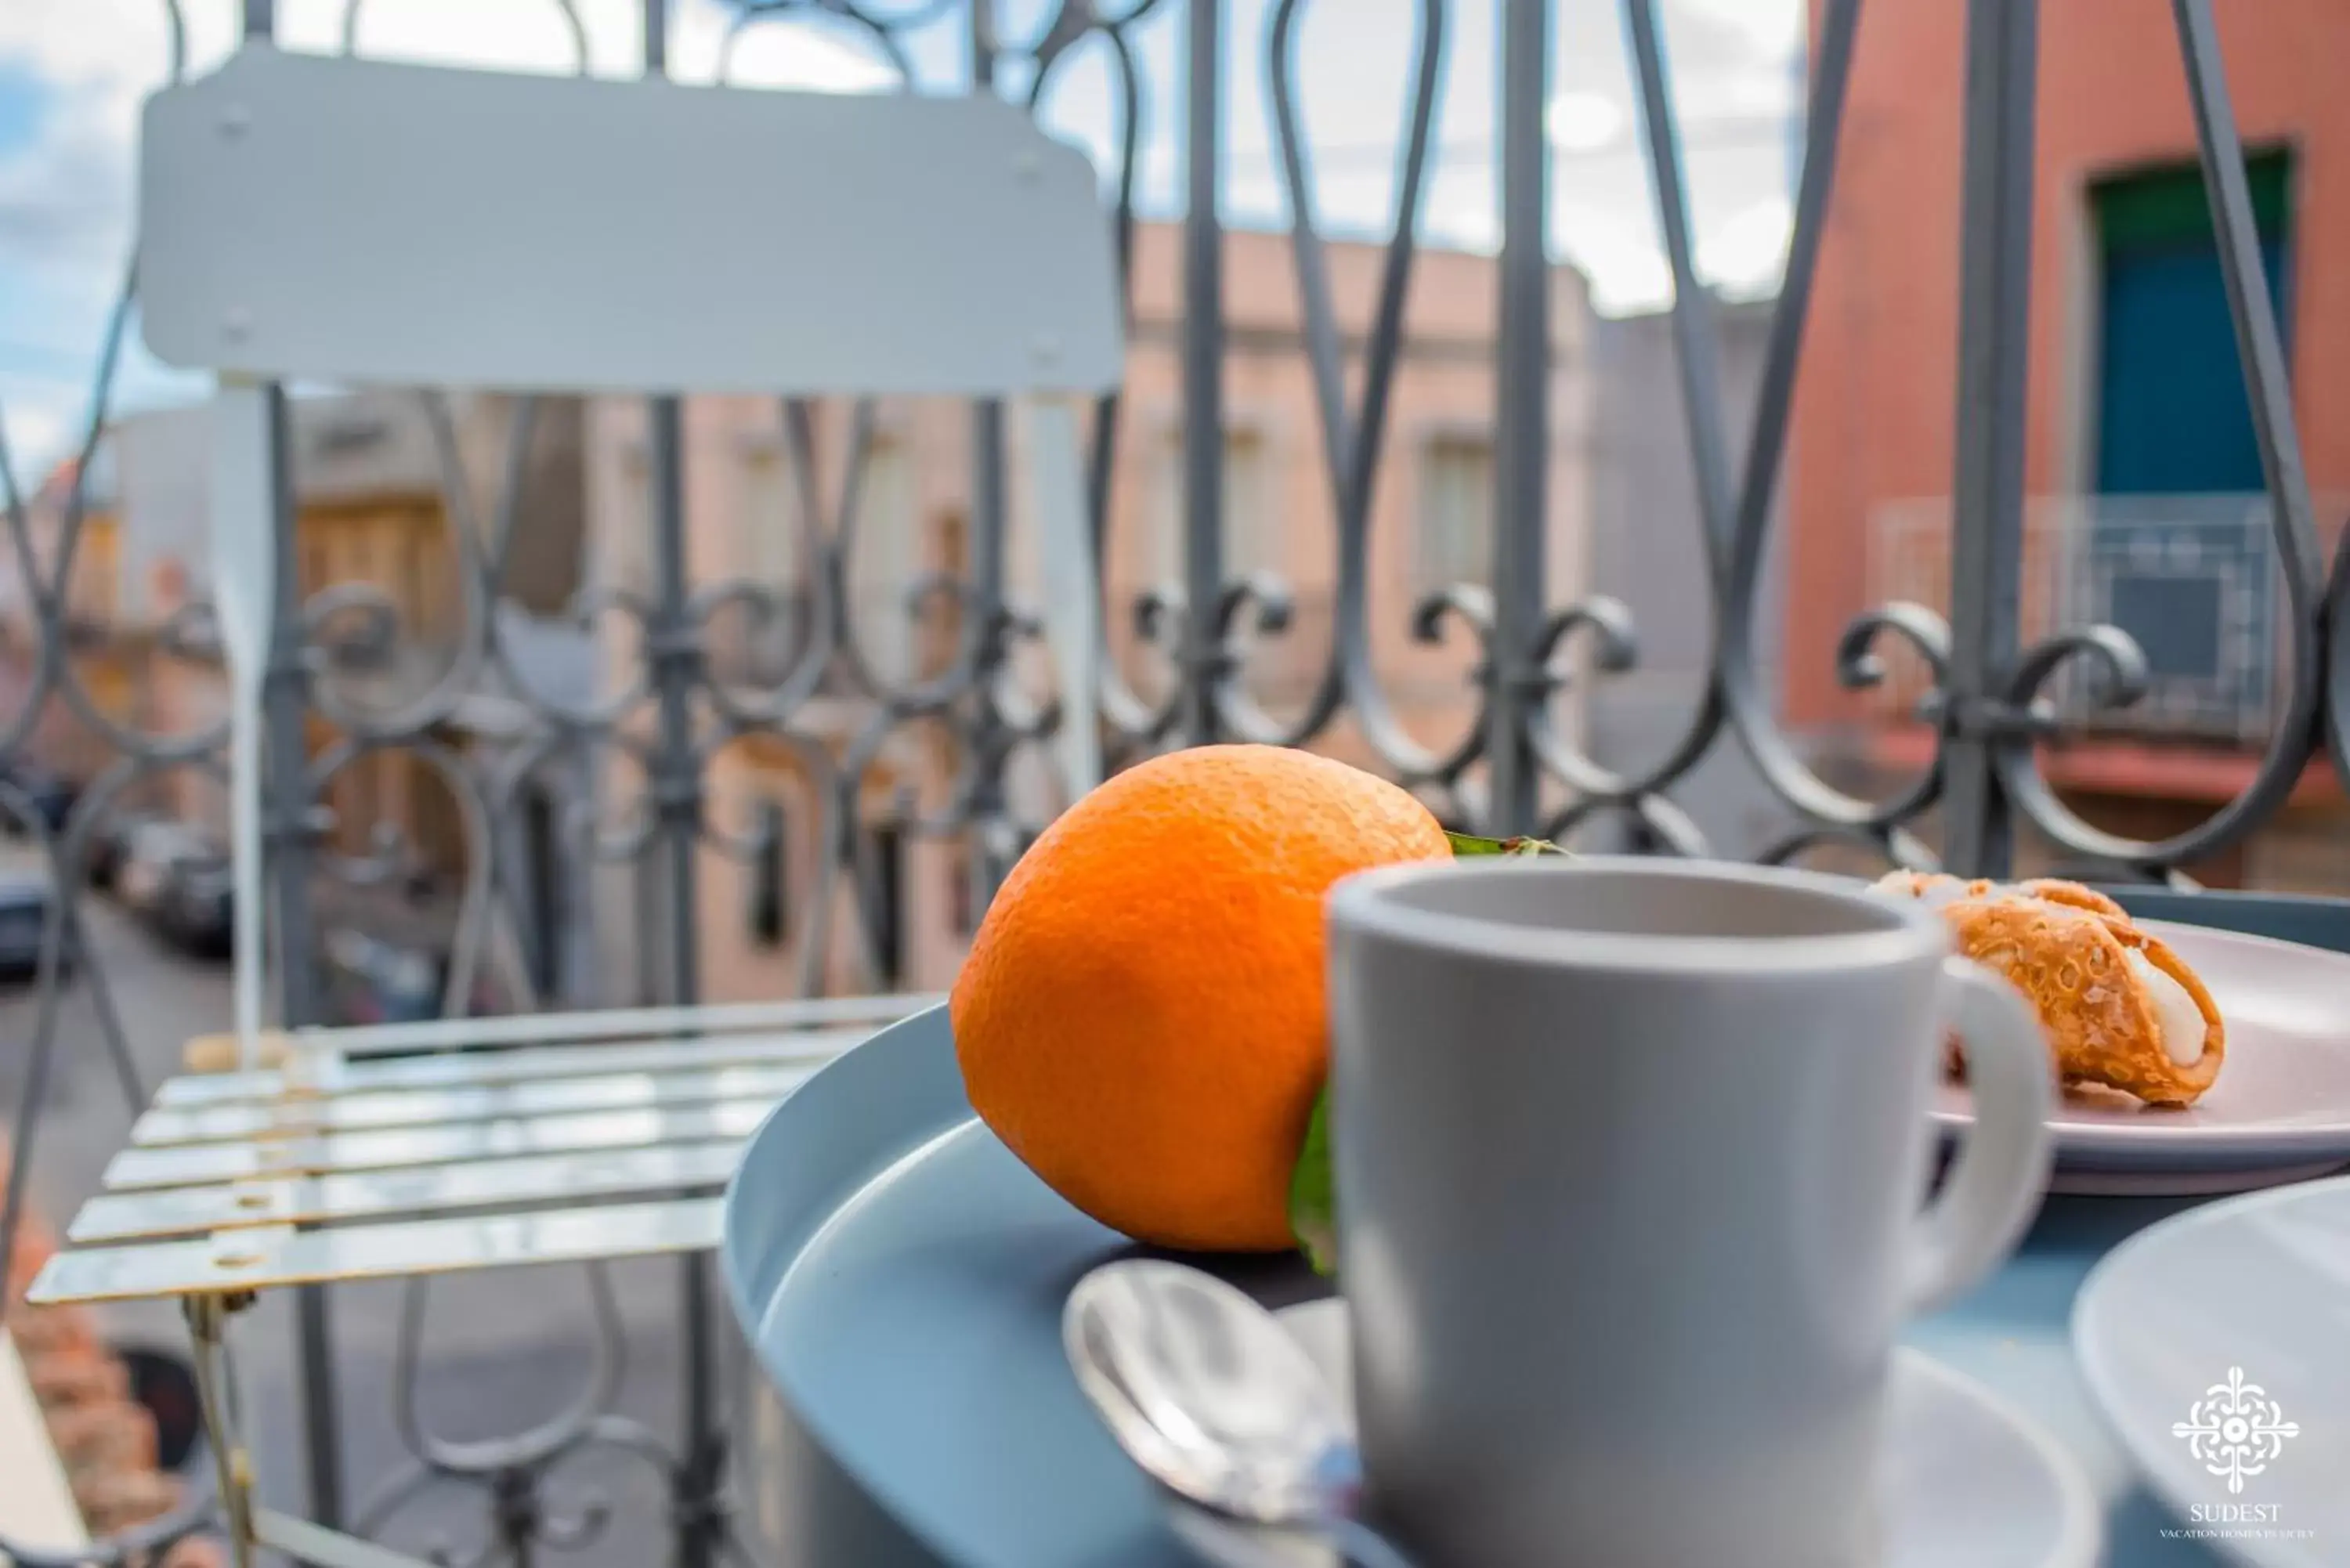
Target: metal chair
(316, 218)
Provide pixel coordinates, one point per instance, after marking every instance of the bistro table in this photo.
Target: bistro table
(940, 1423)
(903, 1294)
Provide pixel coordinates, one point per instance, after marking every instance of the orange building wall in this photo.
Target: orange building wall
(1874, 416)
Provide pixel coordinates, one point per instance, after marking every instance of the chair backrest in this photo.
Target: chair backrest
(317, 217)
(307, 217)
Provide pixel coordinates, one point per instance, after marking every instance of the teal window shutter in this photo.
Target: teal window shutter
(2172, 417)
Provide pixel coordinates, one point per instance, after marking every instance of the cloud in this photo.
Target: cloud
(1461, 210)
(110, 47)
(81, 66)
(65, 191)
(1767, 25)
(1746, 253)
(33, 429)
(1580, 119)
(62, 208)
(783, 54)
(1617, 250)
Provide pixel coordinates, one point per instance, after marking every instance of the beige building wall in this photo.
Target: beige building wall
(371, 513)
(1431, 524)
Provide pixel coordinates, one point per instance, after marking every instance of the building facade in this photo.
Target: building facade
(909, 924)
(2145, 500)
(379, 532)
(1649, 551)
(780, 905)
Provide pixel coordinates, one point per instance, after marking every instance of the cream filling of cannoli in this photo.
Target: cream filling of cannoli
(2174, 1010)
(1933, 895)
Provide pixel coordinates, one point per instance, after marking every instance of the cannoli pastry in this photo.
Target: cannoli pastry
(2121, 1009)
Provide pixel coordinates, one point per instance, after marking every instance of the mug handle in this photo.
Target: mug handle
(1994, 1185)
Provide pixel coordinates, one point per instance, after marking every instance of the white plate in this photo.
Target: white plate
(1967, 1483)
(2237, 1309)
(2280, 1110)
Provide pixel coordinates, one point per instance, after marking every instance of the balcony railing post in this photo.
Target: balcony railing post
(1987, 491)
(1522, 410)
(285, 812)
(285, 702)
(2260, 346)
(986, 564)
(1696, 352)
(1203, 366)
(676, 781)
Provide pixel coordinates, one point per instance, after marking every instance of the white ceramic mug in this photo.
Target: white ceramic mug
(1630, 1157)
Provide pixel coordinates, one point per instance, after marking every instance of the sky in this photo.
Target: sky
(72, 73)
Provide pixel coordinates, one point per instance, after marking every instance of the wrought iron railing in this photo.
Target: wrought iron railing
(689, 687)
(2193, 579)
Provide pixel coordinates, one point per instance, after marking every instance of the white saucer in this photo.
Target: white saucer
(2280, 1111)
(1967, 1484)
(2240, 1309)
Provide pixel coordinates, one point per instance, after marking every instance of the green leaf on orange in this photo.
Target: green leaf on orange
(1313, 1215)
(1468, 845)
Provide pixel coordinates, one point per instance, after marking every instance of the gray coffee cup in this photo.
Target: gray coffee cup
(1630, 1161)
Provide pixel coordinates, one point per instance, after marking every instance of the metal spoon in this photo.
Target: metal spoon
(1205, 1390)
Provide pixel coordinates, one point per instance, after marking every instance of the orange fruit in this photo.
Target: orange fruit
(1143, 1017)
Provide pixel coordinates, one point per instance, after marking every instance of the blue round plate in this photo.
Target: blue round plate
(899, 1276)
(2216, 1347)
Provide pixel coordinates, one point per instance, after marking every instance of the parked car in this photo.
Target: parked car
(177, 879)
(199, 911)
(50, 796)
(27, 905)
(112, 843)
(143, 863)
